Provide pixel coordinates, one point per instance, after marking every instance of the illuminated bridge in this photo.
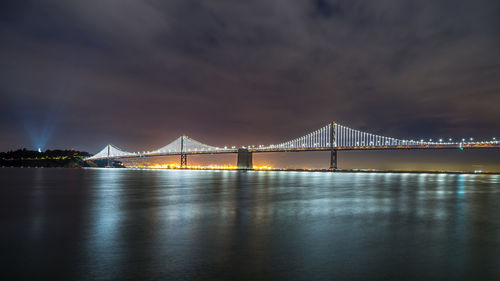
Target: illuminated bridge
(332, 137)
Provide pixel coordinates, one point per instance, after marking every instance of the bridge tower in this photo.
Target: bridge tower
(245, 159)
(333, 149)
(109, 146)
(183, 156)
(109, 159)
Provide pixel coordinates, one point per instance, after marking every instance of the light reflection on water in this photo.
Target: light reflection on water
(114, 224)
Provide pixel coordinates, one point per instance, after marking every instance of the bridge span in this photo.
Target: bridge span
(332, 137)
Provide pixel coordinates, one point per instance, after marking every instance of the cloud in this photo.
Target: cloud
(252, 71)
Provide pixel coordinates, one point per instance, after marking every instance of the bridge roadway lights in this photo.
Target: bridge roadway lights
(245, 159)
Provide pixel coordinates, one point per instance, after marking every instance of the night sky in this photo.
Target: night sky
(138, 73)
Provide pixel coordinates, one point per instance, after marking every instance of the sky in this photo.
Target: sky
(139, 73)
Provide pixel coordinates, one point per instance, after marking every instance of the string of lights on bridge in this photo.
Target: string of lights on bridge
(343, 137)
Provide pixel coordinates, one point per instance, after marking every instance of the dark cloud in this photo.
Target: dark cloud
(139, 73)
(327, 9)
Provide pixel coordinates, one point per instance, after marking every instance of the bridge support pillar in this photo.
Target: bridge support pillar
(244, 159)
(184, 160)
(333, 160)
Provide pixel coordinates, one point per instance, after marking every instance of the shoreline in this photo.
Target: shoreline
(338, 171)
(286, 170)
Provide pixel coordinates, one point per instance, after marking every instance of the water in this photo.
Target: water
(119, 224)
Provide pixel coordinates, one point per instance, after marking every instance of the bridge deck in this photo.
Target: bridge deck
(309, 149)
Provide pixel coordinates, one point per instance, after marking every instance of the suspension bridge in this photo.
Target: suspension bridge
(332, 137)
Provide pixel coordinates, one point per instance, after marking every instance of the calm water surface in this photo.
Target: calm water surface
(119, 224)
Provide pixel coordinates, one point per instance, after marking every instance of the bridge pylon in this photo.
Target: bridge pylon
(184, 160)
(183, 156)
(245, 159)
(333, 150)
(108, 155)
(333, 160)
